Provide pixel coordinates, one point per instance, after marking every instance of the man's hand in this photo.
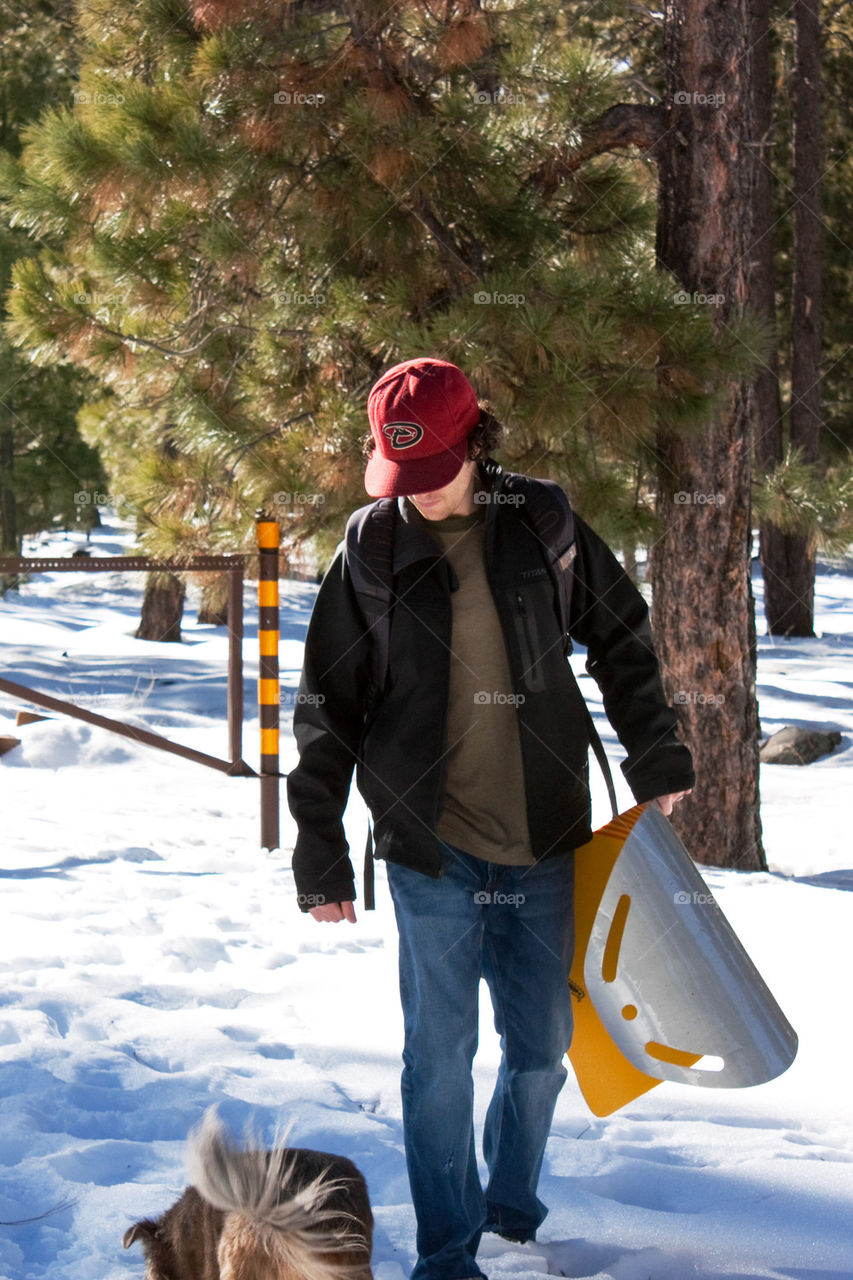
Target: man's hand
(334, 912)
(665, 803)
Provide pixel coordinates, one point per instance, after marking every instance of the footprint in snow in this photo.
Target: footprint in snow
(106, 1163)
(247, 1035)
(200, 953)
(178, 998)
(367, 944)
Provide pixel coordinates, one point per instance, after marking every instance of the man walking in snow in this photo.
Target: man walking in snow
(472, 758)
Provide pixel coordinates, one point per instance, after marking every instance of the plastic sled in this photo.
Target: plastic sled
(662, 987)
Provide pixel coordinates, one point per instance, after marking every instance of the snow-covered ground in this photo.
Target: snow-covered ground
(154, 961)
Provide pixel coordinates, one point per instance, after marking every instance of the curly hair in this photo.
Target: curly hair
(486, 435)
(483, 439)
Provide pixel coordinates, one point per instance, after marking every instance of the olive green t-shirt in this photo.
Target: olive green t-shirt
(485, 808)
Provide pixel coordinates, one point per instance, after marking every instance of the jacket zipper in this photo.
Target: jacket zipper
(529, 675)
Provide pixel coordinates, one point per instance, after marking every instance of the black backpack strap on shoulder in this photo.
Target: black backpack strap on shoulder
(549, 514)
(369, 542)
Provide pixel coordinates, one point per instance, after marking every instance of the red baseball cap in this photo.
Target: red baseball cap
(421, 413)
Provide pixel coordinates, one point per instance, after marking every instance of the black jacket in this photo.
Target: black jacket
(399, 748)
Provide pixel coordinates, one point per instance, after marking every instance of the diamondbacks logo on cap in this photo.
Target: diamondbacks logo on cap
(402, 434)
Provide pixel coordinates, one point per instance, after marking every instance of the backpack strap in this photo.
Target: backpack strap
(369, 541)
(369, 879)
(549, 514)
(603, 763)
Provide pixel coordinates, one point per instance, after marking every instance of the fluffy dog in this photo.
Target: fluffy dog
(251, 1214)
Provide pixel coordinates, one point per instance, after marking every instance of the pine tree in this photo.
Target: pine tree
(271, 202)
(47, 473)
(807, 509)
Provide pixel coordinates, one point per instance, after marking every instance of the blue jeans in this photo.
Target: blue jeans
(513, 926)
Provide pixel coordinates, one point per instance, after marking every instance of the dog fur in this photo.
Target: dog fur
(287, 1214)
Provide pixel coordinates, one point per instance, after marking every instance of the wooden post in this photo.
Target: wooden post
(235, 666)
(268, 683)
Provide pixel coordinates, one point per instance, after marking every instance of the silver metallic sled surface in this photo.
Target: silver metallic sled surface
(669, 978)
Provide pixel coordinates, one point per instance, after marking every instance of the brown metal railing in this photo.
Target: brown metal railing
(234, 566)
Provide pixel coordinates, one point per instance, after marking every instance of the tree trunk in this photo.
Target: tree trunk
(9, 544)
(788, 565)
(162, 608)
(797, 617)
(629, 561)
(775, 550)
(9, 541)
(213, 607)
(701, 591)
(787, 559)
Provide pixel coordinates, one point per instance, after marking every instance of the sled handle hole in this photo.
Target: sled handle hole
(610, 960)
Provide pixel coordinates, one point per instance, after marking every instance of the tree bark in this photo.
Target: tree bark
(795, 611)
(8, 521)
(769, 442)
(700, 565)
(213, 607)
(162, 608)
(9, 541)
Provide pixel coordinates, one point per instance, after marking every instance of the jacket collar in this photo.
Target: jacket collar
(412, 542)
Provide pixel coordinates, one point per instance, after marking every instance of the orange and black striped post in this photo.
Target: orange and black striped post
(268, 685)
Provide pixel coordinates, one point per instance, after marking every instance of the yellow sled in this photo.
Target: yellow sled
(660, 981)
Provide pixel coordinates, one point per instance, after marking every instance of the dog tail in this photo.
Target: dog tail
(316, 1239)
